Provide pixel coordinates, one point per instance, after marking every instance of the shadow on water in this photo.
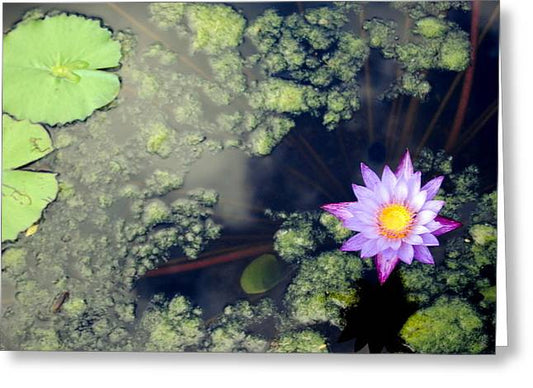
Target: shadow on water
(378, 317)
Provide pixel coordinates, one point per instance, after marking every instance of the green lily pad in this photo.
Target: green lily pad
(51, 69)
(262, 274)
(24, 193)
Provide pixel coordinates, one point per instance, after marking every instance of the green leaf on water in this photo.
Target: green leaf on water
(24, 193)
(262, 274)
(52, 69)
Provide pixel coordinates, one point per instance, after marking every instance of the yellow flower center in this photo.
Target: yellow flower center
(395, 221)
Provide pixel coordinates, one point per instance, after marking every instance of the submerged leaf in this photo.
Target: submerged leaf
(262, 274)
(24, 193)
(51, 69)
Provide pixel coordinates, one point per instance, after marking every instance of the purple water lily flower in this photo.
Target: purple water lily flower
(395, 217)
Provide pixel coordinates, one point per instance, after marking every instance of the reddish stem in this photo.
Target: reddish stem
(197, 264)
(469, 78)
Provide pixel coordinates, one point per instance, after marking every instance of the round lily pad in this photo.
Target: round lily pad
(24, 193)
(53, 69)
(262, 274)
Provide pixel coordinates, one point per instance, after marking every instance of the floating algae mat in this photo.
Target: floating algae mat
(250, 177)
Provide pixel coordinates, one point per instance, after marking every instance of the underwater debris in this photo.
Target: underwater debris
(74, 82)
(450, 326)
(25, 193)
(407, 220)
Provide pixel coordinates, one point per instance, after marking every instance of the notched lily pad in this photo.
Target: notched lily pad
(24, 193)
(52, 69)
(262, 274)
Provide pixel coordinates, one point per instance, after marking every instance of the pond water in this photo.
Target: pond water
(311, 166)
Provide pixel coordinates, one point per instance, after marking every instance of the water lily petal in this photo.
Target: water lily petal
(413, 184)
(433, 226)
(420, 229)
(434, 206)
(405, 167)
(389, 254)
(432, 187)
(422, 254)
(354, 243)
(447, 225)
(371, 232)
(382, 194)
(406, 253)
(401, 191)
(395, 244)
(361, 192)
(365, 217)
(430, 240)
(369, 249)
(384, 267)
(369, 177)
(388, 179)
(418, 201)
(367, 205)
(340, 210)
(425, 216)
(413, 239)
(382, 243)
(354, 224)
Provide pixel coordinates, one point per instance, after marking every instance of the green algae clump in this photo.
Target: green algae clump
(280, 96)
(305, 341)
(14, 261)
(156, 212)
(483, 234)
(166, 15)
(293, 244)
(431, 27)
(455, 52)
(217, 27)
(382, 35)
(161, 140)
(230, 332)
(323, 287)
(450, 326)
(172, 326)
(334, 227)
